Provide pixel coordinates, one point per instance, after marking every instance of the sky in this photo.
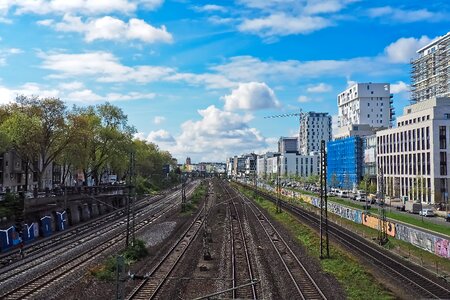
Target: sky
(198, 77)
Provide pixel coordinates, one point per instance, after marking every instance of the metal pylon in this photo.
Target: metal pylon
(323, 203)
(382, 222)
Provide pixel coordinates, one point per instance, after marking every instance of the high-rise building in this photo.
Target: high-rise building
(188, 161)
(287, 145)
(314, 127)
(430, 71)
(364, 108)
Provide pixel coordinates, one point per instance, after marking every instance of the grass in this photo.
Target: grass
(357, 282)
(107, 270)
(192, 203)
(428, 258)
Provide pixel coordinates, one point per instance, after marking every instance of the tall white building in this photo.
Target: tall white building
(314, 127)
(363, 108)
(430, 71)
(413, 157)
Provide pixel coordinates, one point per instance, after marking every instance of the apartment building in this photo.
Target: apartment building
(12, 173)
(314, 127)
(412, 158)
(430, 71)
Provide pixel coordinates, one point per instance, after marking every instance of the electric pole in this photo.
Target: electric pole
(323, 203)
(278, 184)
(382, 223)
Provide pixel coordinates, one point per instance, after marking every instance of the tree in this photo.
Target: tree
(104, 140)
(334, 181)
(347, 182)
(365, 183)
(150, 161)
(38, 131)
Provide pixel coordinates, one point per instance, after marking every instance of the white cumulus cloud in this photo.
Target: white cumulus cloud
(320, 88)
(251, 96)
(110, 28)
(399, 87)
(404, 49)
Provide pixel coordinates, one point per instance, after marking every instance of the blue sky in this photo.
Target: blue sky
(198, 77)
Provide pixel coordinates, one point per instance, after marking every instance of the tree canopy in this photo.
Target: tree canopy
(91, 139)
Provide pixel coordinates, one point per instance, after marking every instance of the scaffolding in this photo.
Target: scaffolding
(430, 72)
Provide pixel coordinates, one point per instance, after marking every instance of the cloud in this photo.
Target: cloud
(46, 22)
(8, 95)
(404, 49)
(7, 52)
(399, 87)
(216, 135)
(83, 7)
(160, 136)
(249, 68)
(72, 91)
(320, 88)
(404, 15)
(209, 80)
(74, 85)
(104, 66)
(281, 24)
(88, 96)
(210, 8)
(110, 28)
(251, 96)
(303, 99)
(158, 120)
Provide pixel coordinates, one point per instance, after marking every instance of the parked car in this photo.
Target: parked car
(448, 217)
(426, 212)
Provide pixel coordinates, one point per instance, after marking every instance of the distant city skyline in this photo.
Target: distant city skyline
(198, 77)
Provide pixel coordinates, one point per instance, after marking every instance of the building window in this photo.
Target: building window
(442, 137)
(447, 116)
(443, 163)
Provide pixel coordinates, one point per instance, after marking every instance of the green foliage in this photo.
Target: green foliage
(135, 252)
(198, 194)
(107, 270)
(150, 161)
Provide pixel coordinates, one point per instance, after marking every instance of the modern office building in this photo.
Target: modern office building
(430, 71)
(287, 145)
(345, 162)
(364, 108)
(413, 156)
(314, 127)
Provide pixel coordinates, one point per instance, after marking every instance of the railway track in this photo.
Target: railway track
(149, 287)
(59, 271)
(103, 230)
(242, 272)
(9, 259)
(40, 253)
(301, 279)
(423, 282)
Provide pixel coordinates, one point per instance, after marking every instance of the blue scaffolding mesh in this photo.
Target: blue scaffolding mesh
(344, 159)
